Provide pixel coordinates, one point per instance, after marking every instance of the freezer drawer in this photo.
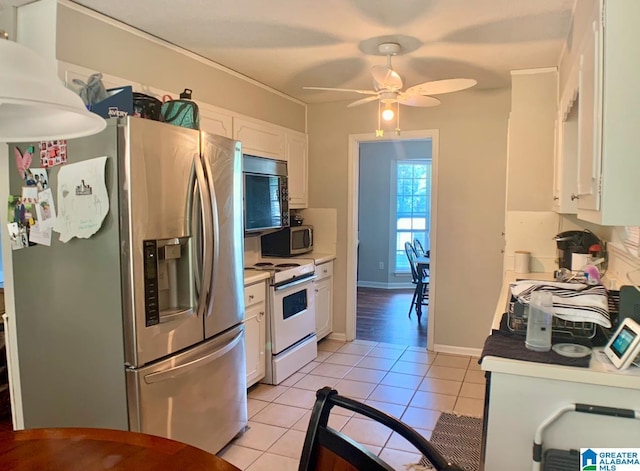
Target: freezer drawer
(197, 397)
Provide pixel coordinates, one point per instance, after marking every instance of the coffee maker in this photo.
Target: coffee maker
(574, 242)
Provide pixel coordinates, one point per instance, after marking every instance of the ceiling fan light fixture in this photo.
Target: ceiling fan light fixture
(388, 114)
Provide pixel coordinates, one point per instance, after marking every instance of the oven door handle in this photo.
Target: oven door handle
(295, 283)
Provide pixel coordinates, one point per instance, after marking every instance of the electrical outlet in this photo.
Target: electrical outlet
(381, 265)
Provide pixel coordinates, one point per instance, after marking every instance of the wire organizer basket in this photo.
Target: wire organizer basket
(517, 315)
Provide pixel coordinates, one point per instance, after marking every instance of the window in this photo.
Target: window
(413, 203)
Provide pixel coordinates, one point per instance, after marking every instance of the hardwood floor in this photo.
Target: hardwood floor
(381, 316)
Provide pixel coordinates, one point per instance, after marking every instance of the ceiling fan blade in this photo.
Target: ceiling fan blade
(362, 92)
(362, 101)
(417, 100)
(441, 86)
(386, 78)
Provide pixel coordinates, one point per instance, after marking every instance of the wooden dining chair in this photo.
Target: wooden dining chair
(327, 449)
(420, 279)
(419, 249)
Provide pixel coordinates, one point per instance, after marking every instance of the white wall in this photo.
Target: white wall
(85, 38)
(472, 168)
(530, 221)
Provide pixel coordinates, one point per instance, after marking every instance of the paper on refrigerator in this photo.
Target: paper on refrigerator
(83, 201)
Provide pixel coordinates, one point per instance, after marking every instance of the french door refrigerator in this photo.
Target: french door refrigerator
(139, 326)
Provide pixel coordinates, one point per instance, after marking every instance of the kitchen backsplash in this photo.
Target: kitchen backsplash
(325, 234)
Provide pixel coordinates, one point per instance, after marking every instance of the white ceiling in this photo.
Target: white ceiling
(288, 44)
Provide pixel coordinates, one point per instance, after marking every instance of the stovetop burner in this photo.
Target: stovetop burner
(283, 269)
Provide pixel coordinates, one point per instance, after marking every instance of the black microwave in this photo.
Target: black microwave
(266, 194)
(288, 242)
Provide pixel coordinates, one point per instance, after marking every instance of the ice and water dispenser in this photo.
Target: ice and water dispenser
(168, 276)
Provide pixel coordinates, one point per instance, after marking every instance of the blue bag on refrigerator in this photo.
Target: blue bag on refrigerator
(182, 112)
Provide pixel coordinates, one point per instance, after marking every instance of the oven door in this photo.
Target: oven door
(293, 313)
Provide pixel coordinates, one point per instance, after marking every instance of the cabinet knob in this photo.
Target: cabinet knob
(251, 297)
(325, 270)
(574, 197)
(261, 313)
(556, 198)
(316, 290)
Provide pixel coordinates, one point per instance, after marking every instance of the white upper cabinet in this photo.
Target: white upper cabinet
(259, 139)
(609, 112)
(297, 168)
(588, 172)
(565, 187)
(215, 121)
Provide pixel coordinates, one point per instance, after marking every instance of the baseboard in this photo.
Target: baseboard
(379, 285)
(473, 352)
(337, 336)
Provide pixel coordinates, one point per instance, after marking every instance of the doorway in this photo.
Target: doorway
(352, 233)
(394, 202)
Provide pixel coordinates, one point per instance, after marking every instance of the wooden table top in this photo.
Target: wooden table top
(87, 449)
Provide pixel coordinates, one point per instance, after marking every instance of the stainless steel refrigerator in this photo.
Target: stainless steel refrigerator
(139, 326)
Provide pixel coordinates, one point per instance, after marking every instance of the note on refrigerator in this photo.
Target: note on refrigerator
(46, 209)
(83, 201)
(39, 234)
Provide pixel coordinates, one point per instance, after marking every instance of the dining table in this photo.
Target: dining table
(422, 267)
(89, 449)
(422, 263)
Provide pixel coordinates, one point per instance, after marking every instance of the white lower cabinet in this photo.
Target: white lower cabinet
(255, 331)
(324, 299)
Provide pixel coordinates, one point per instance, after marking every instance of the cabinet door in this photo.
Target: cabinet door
(254, 332)
(214, 121)
(296, 147)
(68, 72)
(566, 163)
(589, 151)
(324, 307)
(260, 139)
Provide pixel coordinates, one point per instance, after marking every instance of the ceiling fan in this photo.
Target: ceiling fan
(388, 84)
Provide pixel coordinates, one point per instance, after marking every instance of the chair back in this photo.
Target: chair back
(418, 247)
(327, 449)
(411, 256)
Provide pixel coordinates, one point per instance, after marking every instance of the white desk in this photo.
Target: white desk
(522, 394)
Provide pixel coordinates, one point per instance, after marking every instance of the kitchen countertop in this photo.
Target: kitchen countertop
(254, 276)
(599, 372)
(318, 257)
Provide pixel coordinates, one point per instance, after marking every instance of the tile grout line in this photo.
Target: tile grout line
(384, 372)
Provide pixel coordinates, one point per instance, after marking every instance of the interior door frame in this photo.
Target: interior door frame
(352, 223)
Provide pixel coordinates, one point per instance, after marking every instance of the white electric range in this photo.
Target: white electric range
(291, 324)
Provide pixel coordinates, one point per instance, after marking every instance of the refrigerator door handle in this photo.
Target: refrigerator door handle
(182, 369)
(205, 202)
(216, 226)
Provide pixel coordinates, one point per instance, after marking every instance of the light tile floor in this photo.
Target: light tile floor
(406, 382)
